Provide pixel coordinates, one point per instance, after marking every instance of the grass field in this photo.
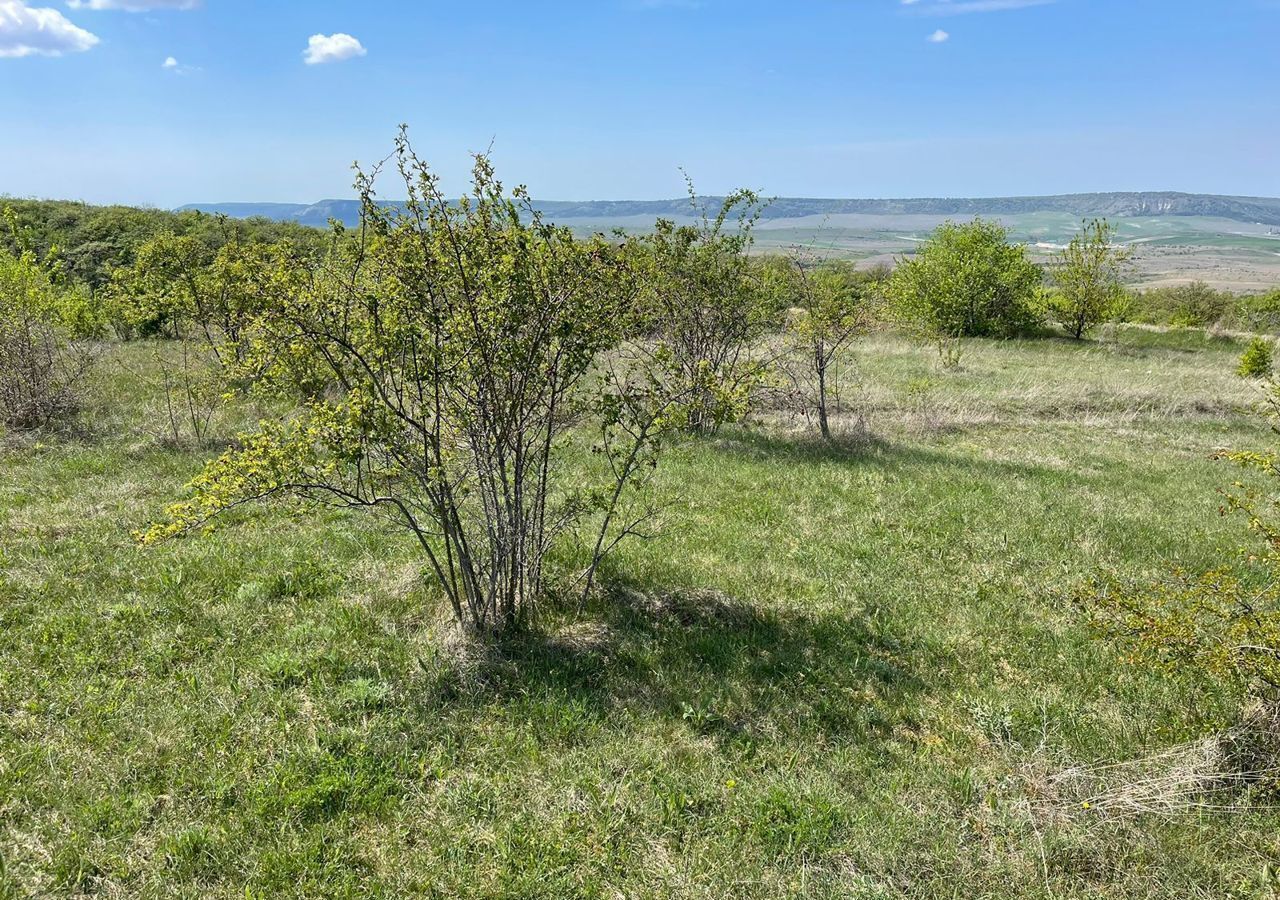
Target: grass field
(839, 671)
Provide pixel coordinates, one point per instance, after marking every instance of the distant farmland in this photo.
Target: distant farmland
(1231, 243)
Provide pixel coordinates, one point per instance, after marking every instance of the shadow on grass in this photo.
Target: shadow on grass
(860, 449)
(730, 671)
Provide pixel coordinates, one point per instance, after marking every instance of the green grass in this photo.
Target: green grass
(840, 671)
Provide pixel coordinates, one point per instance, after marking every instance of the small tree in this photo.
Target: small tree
(442, 360)
(1256, 361)
(1088, 277)
(966, 281)
(831, 306)
(704, 303)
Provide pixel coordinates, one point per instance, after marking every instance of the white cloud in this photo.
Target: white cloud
(39, 31)
(330, 48)
(171, 64)
(939, 37)
(133, 5)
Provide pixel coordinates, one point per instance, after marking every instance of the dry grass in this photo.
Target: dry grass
(1233, 771)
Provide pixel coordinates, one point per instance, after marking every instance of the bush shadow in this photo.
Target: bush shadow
(730, 671)
(868, 450)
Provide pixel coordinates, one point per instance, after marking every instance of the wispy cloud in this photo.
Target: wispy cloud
(39, 31)
(964, 7)
(133, 5)
(939, 37)
(331, 48)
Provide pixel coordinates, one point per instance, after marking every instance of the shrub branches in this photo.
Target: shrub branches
(703, 301)
(41, 362)
(443, 358)
(1088, 275)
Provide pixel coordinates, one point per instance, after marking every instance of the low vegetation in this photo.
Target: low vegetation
(1197, 305)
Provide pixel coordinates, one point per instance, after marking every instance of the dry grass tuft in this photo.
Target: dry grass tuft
(583, 639)
(688, 607)
(1233, 771)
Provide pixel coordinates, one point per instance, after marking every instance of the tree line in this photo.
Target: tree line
(93, 241)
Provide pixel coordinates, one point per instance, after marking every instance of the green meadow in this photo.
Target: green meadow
(835, 670)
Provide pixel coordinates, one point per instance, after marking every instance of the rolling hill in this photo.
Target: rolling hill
(1251, 210)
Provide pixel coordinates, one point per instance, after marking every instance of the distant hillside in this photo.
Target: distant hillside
(1253, 210)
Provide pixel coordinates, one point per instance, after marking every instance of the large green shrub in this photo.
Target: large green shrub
(966, 281)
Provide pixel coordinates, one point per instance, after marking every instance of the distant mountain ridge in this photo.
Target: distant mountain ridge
(1116, 205)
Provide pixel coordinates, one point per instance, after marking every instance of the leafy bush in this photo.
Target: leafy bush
(1259, 312)
(441, 362)
(1194, 305)
(967, 281)
(1197, 305)
(1256, 361)
(706, 304)
(40, 365)
(181, 287)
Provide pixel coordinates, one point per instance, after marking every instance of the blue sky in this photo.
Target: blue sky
(608, 98)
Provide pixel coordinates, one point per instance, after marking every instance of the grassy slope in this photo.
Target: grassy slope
(835, 674)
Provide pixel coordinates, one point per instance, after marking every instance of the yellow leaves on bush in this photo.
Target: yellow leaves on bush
(289, 458)
(1218, 625)
(1212, 625)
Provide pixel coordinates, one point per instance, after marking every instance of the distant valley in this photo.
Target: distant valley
(1251, 210)
(1231, 242)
